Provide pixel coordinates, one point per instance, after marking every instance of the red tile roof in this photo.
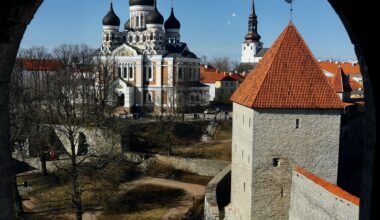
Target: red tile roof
(355, 85)
(328, 186)
(211, 75)
(337, 81)
(40, 65)
(288, 76)
(348, 68)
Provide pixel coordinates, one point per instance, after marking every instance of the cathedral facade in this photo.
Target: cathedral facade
(154, 70)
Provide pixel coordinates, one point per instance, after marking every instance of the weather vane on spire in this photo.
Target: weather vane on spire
(291, 8)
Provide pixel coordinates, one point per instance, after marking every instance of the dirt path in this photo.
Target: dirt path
(185, 204)
(176, 212)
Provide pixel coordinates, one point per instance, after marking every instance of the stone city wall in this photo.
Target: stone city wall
(217, 195)
(315, 198)
(201, 167)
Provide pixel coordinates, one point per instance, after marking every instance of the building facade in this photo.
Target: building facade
(252, 47)
(155, 71)
(285, 114)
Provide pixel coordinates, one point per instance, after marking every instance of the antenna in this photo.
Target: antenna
(291, 8)
(172, 3)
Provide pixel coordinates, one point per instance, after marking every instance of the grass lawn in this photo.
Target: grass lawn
(101, 192)
(211, 151)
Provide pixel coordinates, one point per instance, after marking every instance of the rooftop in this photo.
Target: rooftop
(288, 76)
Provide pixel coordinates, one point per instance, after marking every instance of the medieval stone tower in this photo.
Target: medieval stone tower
(285, 114)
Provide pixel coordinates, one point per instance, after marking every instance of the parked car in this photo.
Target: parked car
(210, 111)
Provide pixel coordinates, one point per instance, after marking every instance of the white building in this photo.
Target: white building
(154, 68)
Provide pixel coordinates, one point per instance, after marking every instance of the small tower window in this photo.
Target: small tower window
(107, 37)
(297, 123)
(276, 162)
(282, 192)
(131, 72)
(244, 186)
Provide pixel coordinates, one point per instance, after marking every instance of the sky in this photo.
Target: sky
(211, 28)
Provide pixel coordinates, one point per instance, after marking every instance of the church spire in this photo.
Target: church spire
(252, 35)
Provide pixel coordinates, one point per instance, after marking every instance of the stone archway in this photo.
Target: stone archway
(356, 17)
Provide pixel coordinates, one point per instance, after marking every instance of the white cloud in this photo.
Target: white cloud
(228, 22)
(233, 15)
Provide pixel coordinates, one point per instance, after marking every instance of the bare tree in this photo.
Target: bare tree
(79, 98)
(222, 64)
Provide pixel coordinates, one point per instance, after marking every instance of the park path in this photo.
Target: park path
(184, 205)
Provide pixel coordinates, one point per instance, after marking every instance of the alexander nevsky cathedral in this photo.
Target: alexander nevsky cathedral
(155, 70)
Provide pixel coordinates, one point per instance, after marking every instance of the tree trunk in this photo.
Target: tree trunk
(14, 18)
(43, 164)
(76, 193)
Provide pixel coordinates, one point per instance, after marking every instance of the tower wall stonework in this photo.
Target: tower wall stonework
(268, 146)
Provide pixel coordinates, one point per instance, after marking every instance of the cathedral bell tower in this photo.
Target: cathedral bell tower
(252, 43)
(111, 24)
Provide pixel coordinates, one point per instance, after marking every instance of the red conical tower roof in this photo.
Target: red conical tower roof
(288, 77)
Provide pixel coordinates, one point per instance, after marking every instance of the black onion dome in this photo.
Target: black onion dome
(127, 25)
(155, 17)
(172, 22)
(141, 2)
(111, 18)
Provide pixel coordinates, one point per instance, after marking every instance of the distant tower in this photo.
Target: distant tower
(172, 28)
(155, 27)
(252, 44)
(111, 24)
(138, 11)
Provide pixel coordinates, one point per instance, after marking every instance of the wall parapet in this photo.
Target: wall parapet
(314, 198)
(217, 195)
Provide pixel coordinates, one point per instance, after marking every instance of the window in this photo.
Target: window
(150, 73)
(125, 72)
(137, 21)
(276, 162)
(119, 72)
(282, 192)
(124, 39)
(249, 122)
(297, 123)
(130, 72)
(107, 37)
(142, 21)
(148, 97)
(244, 186)
(130, 39)
(242, 153)
(180, 75)
(137, 38)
